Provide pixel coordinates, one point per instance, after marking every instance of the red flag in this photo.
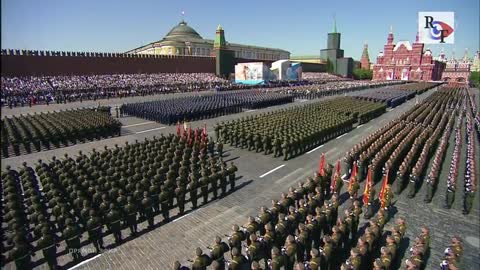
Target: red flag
(368, 186)
(196, 134)
(204, 132)
(381, 196)
(337, 169)
(189, 132)
(178, 128)
(333, 183)
(353, 176)
(321, 169)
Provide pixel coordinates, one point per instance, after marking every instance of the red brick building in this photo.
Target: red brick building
(457, 72)
(365, 60)
(405, 61)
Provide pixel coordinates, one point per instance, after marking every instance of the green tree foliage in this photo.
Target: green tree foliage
(330, 68)
(475, 79)
(362, 74)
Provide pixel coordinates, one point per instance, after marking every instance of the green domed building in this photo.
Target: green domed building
(184, 40)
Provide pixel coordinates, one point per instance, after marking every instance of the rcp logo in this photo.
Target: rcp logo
(436, 27)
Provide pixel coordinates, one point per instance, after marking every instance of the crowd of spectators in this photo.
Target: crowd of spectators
(322, 76)
(23, 91)
(32, 90)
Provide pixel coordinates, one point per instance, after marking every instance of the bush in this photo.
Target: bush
(362, 74)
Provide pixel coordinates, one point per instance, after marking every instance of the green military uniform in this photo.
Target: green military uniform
(164, 198)
(71, 234)
(430, 188)
(94, 227)
(21, 254)
(113, 218)
(192, 188)
(278, 260)
(130, 210)
(147, 208)
(180, 194)
(201, 261)
(277, 147)
(450, 196)
(231, 176)
(49, 249)
(204, 182)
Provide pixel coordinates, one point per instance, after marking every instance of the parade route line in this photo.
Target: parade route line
(84, 262)
(250, 111)
(288, 175)
(182, 217)
(341, 136)
(148, 130)
(359, 126)
(269, 172)
(304, 100)
(313, 150)
(139, 124)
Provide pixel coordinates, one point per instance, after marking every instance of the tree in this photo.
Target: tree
(362, 74)
(475, 79)
(329, 66)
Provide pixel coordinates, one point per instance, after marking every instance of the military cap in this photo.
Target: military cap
(198, 251)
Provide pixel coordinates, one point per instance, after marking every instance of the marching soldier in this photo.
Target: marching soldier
(164, 199)
(235, 240)
(291, 252)
(71, 234)
(412, 183)
(201, 260)
(385, 257)
(315, 260)
(94, 227)
(114, 226)
(277, 147)
(192, 188)
(213, 179)
(387, 198)
(180, 195)
(220, 148)
(450, 195)
(147, 208)
(204, 181)
(430, 190)
(278, 259)
(286, 149)
(21, 254)
(130, 211)
(369, 212)
(217, 252)
(238, 260)
(326, 252)
(48, 246)
(231, 176)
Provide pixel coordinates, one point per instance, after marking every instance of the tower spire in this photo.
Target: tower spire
(334, 24)
(390, 36)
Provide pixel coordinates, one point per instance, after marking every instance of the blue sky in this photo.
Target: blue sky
(300, 27)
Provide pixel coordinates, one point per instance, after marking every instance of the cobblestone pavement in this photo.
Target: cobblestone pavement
(177, 240)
